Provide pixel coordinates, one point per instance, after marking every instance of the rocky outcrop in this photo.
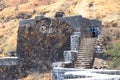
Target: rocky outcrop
(100, 64)
(42, 41)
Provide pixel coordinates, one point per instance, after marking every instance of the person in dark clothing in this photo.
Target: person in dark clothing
(94, 32)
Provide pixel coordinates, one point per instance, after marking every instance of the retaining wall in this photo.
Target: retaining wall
(9, 69)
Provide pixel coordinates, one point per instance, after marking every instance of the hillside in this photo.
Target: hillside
(13, 11)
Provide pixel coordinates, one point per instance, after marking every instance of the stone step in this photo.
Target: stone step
(85, 55)
(83, 63)
(86, 48)
(86, 43)
(88, 61)
(85, 51)
(83, 66)
(91, 46)
(84, 59)
(80, 67)
(86, 39)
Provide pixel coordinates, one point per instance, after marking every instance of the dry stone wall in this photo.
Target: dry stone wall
(9, 61)
(79, 23)
(9, 72)
(9, 69)
(42, 41)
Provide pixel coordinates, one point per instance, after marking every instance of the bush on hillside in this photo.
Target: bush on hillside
(114, 52)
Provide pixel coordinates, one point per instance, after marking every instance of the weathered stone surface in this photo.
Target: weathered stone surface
(24, 16)
(42, 42)
(9, 69)
(76, 22)
(9, 72)
(7, 61)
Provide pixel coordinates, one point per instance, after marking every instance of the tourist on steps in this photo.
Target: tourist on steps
(95, 31)
(92, 30)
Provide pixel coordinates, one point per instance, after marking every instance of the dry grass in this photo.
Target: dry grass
(8, 37)
(37, 76)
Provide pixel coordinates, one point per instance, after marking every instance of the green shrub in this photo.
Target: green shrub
(114, 52)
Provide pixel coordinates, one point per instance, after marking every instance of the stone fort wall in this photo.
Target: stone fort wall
(10, 67)
(42, 40)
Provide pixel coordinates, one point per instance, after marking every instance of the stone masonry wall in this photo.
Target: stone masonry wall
(42, 41)
(9, 69)
(79, 23)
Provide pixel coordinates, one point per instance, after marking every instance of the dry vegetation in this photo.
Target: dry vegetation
(38, 76)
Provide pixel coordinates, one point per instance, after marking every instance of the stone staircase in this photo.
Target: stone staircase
(85, 56)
